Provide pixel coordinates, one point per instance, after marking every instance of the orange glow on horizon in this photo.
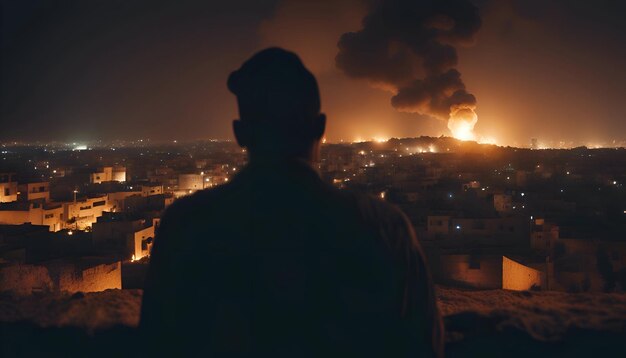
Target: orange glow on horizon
(488, 140)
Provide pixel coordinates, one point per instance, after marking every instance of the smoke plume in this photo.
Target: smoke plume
(407, 46)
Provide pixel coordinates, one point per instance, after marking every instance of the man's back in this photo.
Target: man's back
(278, 262)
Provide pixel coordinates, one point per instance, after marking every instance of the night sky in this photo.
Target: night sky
(123, 69)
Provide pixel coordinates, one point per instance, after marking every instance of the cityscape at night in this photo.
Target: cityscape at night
(312, 178)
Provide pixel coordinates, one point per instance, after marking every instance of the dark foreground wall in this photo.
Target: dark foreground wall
(488, 323)
(480, 338)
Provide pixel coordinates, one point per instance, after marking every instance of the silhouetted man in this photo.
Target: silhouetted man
(279, 263)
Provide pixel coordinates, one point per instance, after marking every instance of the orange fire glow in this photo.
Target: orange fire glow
(462, 121)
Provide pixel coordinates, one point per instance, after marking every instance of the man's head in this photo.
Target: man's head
(279, 106)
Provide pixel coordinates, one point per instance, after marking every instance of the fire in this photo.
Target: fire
(462, 131)
(462, 121)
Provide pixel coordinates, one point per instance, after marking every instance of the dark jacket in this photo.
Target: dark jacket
(278, 263)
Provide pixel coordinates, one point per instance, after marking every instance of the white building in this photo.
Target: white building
(34, 191)
(84, 213)
(18, 213)
(106, 174)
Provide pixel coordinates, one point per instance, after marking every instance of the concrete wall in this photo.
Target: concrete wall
(579, 282)
(518, 277)
(92, 279)
(468, 271)
(14, 217)
(23, 280)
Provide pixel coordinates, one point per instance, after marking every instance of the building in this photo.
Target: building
(190, 182)
(503, 203)
(543, 236)
(130, 236)
(587, 265)
(107, 174)
(471, 185)
(151, 189)
(35, 213)
(39, 191)
(8, 188)
(487, 272)
(438, 227)
(83, 213)
(484, 230)
(117, 199)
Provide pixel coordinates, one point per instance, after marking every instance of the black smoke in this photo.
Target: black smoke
(408, 47)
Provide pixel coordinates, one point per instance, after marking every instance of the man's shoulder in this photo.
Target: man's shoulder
(375, 210)
(196, 203)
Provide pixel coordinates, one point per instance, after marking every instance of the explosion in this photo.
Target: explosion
(408, 48)
(461, 122)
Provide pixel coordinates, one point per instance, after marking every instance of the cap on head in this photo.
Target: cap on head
(274, 87)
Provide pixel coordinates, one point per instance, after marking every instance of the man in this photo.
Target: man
(279, 263)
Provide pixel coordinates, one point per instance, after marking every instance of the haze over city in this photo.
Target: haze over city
(127, 70)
